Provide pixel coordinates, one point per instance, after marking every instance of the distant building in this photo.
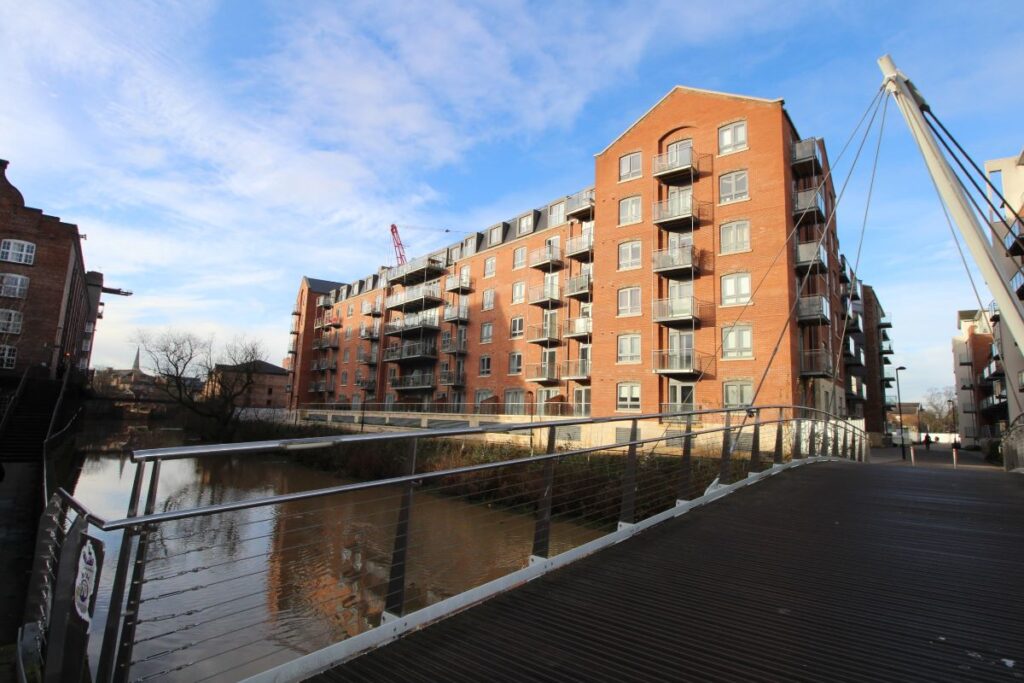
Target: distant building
(268, 388)
(878, 375)
(133, 383)
(49, 304)
(981, 405)
(910, 416)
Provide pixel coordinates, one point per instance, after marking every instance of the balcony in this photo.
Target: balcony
(889, 400)
(1013, 241)
(884, 322)
(543, 373)
(369, 331)
(418, 270)
(459, 284)
(415, 323)
(963, 357)
(324, 301)
(577, 370)
(294, 330)
(850, 289)
(416, 298)
(682, 362)
(686, 310)
(548, 295)
(546, 334)
(580, 205)
(684, 260)
(993, 401)
(453, 313)
(809, 206)
(411, 351)
(813, 310)
(679, 163)
(333, 321)
(318, 322)
(855, 388)
(548, 257)
(678, 213)
(816, 363)
(806, 158)
(372, 308)
(366, 357)
(1017, 284)
(845, 271)
(888, 376)
(412, 382)
(296, 312)
(329, 341)
(811, 256)
(967, 407)
(992, 371)
(885, 348)
(366, 383)
(853, 323)
(853, 354)
(580, 247)
(450, 378)
(453, 345)
(579, 287)
(993, 351)
(578, 328)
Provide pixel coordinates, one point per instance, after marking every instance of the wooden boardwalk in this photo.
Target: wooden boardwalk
(831, 572)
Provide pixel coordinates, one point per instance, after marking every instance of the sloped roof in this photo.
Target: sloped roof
(259, 367)
(320, 286)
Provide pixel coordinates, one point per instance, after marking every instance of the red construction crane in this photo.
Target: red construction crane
(399, 249)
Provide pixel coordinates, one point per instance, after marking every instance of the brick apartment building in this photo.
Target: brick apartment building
(49, 304)
(706, 238)
(267, 384)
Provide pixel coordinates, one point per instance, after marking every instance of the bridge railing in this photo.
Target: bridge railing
(279, 585)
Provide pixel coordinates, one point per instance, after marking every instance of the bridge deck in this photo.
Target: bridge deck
(832, 572)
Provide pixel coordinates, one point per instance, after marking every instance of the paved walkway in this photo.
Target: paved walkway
(831, 572)
(936, 456)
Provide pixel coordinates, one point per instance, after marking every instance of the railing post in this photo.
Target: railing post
(846, 444)
(131, 613)
(542, 525)
(824, 438)
(725, 469)
(811, 438)
(835, 440)
(686, 476)
(755, 446)
(394, 601)
(777, 456)
(627, 513)
(112, 627)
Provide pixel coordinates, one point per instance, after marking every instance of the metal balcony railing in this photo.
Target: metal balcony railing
(682, 361)
(811, 255)
(580, 244)
(366, 357)
(885, 347)
(814, 309)
(578, 327)
(450, 378)
(427, 319)
(416, 380)
(676, 259)
(547, 257)
(458, 283)
(811, 203)
(542, 372)
(421, 268)
(577, 370)
(816, 363)
(678, 209)
(884, 321)
(456, 313)
(421, 296)
(544, 333)
(580, 203)
(453, 345)
(807, 160)
(410, 350)
(677, 161)
(369, 331)
(682, 309)
(546, 294)
(578, 286)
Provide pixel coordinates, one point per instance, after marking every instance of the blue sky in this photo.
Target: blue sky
(215, 152)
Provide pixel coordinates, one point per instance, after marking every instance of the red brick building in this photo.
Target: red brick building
(702, 264)
(49, 304)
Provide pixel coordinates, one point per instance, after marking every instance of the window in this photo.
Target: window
(345, 356)
(10, 321)
(629, 255)
(556, 214)
(17, 251)
(488, 300)
(737, 341)
(519, 257)
(628, 396)
(86, 345)
(735, 289)
(351, 308)
(344, 377)
(735, 237)
(13, 285)
(629, 301)
(732, 187)
(525, 225)
(456, 252)
(737, 393)
(629, 348)
(489, 267)
(482, 395)
(518, 292)
(494, 235)
(485, 366)
(348, 333)
(629, 211)
(732, 137)
(515, 402)
(8, 356)
(515, 363)
(629, 166)
(516, 327)
(486, 333)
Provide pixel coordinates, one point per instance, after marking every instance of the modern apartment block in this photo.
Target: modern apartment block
(702, 263)
(879, 374)
(980, 388)
(49, 304)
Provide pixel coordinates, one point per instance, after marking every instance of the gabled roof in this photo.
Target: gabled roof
(320, 286)
(259, 367)
(778, 100)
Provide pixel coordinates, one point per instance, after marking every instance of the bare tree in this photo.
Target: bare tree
(208, 382)
(937, 413)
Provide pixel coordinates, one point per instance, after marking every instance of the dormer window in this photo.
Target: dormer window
(525, 225)
(17, 251)
(494, 236)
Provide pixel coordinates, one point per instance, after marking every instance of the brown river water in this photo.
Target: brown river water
(229, 595)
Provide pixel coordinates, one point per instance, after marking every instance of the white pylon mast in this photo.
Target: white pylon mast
(975, 234)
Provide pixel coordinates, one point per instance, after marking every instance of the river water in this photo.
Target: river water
(231, 594)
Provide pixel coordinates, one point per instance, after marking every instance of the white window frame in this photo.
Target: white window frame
(487, 300)
(518, 292)
(8, 356)
(18, 251)
(518, 258)
(632, 307)
(490, 264)
(524, 226)
(632, 353)
(733, 179)
(517, 327)
(631, 166)
(494, 236)
(627, 397)
(630, 211)
(729, 235)
(736, 289)
(634, 260)
(515, 363)
(484, 366)
(742, 386)
(729, 141)
(13, 285)
(10, 321)
(486, 333)
(733, 341)
(556, 214)
(515, 402)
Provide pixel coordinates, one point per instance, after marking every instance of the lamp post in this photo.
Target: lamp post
(899, 408)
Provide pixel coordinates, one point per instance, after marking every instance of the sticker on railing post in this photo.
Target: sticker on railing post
(85, 580)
